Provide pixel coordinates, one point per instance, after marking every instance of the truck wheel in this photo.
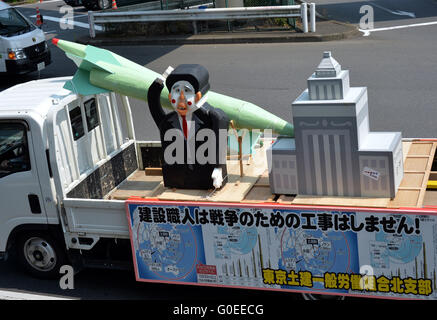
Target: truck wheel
(40, 255)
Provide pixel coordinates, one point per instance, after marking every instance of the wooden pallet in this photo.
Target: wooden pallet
(254, 186)
(234, 191)
(417, 156)
(137, 185)
(417, 168)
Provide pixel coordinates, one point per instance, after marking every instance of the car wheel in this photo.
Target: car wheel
(103, 4)
(40, 255)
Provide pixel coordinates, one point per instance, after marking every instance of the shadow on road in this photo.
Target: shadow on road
(96, 284)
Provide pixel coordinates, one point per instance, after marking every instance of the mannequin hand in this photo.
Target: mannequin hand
(217, 177)
(161, 78)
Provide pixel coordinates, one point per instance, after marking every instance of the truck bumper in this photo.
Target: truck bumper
(27, 65)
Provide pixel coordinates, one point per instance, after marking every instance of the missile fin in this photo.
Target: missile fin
(96, 56)
(80, 84)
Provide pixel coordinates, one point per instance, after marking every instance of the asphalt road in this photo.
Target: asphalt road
(397, 65)
(386, 12)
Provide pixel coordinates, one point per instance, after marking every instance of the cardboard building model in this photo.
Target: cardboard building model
(333, 153)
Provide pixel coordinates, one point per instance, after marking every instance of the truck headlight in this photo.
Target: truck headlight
(16, 54)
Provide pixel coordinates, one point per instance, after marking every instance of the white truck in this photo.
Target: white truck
(60, 154)
(23, 46)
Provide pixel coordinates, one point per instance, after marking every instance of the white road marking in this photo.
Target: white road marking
(69, 22)
(14, 295)
(367, 32)
(396, 12)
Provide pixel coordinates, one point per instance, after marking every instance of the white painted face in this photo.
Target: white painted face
(182, 97)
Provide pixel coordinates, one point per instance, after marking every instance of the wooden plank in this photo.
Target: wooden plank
(412, 179)
(234, 191)
(417, 167)
(416, 163)
(263, 181)
(153, 171)
(239, 187)
(158, 190)
(427, 173)
(137, 185)
(184, 194)
(259, 194)
(341, 201)
(254, 186)
(420, 148)
(405, 198)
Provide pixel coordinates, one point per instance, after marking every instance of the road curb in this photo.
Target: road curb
(229, 38)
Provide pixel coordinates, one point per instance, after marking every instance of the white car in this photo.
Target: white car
(23, 46)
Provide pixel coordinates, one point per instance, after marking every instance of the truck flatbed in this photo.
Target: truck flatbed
(253, 187)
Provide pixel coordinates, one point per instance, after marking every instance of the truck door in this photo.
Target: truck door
(20, 193)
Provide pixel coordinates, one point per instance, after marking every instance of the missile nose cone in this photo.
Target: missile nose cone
(55, 41)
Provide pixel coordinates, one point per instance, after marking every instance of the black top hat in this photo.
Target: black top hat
(195, 74)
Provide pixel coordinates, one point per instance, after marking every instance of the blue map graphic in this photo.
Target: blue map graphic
(318, 252)
(401, 248)
(169, 252)
(235, 240)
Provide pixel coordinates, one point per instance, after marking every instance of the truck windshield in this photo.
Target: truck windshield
(14, 156)
(12, 23)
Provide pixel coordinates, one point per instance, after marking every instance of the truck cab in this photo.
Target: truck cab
(23, 46)
(55, 144)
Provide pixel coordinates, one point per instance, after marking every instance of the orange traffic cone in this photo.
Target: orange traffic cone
(114, 5)
(39, 21)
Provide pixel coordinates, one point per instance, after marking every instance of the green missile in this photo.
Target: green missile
(101, 70)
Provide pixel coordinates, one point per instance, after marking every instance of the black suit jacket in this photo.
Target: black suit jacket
(189, 173)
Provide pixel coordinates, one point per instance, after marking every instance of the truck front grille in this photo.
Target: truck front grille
(35, 51)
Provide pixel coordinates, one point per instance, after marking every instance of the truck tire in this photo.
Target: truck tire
(40, 255)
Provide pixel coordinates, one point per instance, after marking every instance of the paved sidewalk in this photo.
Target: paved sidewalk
(327, 30)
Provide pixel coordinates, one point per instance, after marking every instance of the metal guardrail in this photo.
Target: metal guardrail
(159, 5)
(242, 13)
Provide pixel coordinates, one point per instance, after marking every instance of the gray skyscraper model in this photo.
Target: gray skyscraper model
(333, 152)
